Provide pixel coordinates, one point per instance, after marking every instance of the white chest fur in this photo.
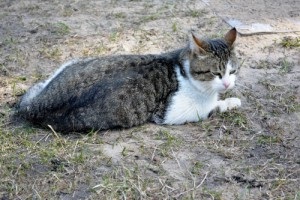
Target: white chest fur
(189, 104)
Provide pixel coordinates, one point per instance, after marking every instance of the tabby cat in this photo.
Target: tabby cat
(128, 90)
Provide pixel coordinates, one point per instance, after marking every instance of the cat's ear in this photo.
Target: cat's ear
(197, 45)
(230, 36)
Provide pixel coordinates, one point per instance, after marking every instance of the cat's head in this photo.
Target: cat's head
(213, 62)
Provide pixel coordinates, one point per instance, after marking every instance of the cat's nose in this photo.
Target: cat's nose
(226, 85)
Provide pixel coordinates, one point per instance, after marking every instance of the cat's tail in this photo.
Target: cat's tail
(26, 101)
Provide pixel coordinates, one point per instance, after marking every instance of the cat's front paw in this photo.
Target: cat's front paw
(233, 103)
(229, 104)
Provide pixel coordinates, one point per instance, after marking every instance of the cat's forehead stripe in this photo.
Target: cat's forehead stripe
(219, 48)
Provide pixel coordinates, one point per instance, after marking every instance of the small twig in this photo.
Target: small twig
(194, 188)
(105, 133)
(165, 185)
(75, 147)
(153, 154)
(97, 186)
(265, 165)
(56, 176)
(54, 132)
(36, 192)
(124, 195)
(137, 188)
(202, 180)
(176, 159)
(17, 171)
(45, 136)
(192, 176)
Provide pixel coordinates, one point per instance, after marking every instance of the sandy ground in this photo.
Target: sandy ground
(259, 16)
(249, 153)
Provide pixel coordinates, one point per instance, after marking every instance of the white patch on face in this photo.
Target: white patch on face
(226, 82)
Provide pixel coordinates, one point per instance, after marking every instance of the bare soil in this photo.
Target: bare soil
(248, 153)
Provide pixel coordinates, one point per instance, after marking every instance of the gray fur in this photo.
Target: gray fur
(106, 92)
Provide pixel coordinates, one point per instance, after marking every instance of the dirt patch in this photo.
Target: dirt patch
(249, 153)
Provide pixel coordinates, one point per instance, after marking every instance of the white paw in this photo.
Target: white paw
(233, 103)
(228, 104)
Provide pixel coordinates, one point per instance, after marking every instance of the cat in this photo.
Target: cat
(122, 91)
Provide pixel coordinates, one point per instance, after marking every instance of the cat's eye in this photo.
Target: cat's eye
(217, 74)
(232, 71)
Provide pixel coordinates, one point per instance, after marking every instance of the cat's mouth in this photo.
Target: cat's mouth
(224, 90)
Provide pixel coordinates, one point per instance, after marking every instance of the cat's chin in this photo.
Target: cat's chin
(223, 91)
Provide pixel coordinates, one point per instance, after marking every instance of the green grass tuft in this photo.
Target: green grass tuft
(236, 117)
(268, 139)
(290, 42)
(169, 142)
(60, 28)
